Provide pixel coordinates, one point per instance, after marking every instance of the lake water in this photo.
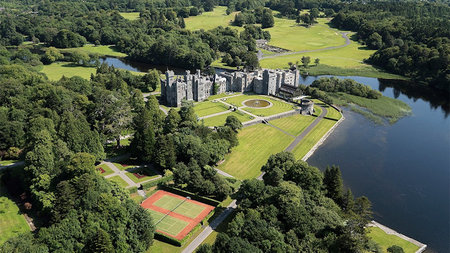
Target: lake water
(404, 169)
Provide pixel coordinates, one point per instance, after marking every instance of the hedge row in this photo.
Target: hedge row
(157, 182)
(184, 193)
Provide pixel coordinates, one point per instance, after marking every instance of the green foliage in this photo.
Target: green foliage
(233, 122)
(333, 184)
(395, 249)
(66, 39)
(348, 86)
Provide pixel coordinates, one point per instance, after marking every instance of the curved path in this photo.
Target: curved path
(344, 35)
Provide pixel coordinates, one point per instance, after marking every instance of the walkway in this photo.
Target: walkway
(307, 130)
(210, 228)
(344, 35)
(122, 175)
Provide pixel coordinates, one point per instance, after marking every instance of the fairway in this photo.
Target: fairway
(221, 119)
(256, 144)
(208, 107)
(12, 222)
(175, 215)
(294, 125)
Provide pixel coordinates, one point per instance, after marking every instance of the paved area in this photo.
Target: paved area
(344, 35)
(210, 228)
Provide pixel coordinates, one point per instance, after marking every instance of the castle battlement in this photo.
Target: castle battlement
(198, 87)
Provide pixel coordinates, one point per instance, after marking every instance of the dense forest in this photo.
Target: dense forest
(296, 208)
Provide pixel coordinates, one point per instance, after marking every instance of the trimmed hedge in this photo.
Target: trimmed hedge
(157, 182)
(193, 196)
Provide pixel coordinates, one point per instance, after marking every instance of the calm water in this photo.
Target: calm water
(403, 168)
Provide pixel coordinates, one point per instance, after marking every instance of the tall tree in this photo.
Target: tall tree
(333, 183)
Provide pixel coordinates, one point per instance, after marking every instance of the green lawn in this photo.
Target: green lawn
(101, 50)
(108, 170)
(208, 107)
(56, 70)
(125, 165)
(223, 95)
(294, 125)
(256, 144)
(211, 20)
(130, 15)
(148, 176)
(289, 35)
(12, 222)
(278, 105)
(312, 138)
(220, 119)
(119, 181)
(386, 240)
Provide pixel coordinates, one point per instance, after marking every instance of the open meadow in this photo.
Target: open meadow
(101, 50)
(211, 20)
(130, 15)
(256, 144)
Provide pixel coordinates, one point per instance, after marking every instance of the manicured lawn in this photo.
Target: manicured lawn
(119, 181)
(294, 125)
(106, 168)
(211, 20)
(220, 119)
(289, 35)
(312, 138)
(266, 52)
(278, 105)
(333, 113)
(56, 70)
(130, 15)
(256, 144)
(126, 165)
(12, 222)
(147, 175)
(386, 240)
(208, 107)
(102, 50)
(222, 95)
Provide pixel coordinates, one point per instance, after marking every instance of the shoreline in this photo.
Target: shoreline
(390, 231)
(323, 139)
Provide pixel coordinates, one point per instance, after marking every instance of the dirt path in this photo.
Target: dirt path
(344, 35)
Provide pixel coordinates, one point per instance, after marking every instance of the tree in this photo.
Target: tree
(187, 113)
(143, 142)
(181, 22)
(228, 134)
(306, 60)
(79, 58)
(395, 249)
(239, 19)
(172, 121)
(227, 59)
(333, 183)
(100, 242)
(151, 80)
(233, 122)
(317, 61)
(51, 55)
(267, 19)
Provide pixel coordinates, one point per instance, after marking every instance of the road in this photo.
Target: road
(344, 35)
(210, 228)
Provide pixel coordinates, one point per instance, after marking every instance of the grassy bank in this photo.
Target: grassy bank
(389, 108)
(385, 240)
(130, 15)
(108, 50)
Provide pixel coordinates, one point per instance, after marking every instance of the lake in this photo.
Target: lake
(404, 169)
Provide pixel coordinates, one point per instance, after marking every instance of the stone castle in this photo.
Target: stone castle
(197, 87)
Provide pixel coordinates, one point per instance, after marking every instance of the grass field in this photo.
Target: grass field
(211, 20)
(294, 125)
(312, 138)
(56, 70)
(385, 240)
(168, 224)
(221, 119)
(12, 222)
(106, 168)
(126, 165)
(208, 107)
(118, 181)
(130, 15)
(256, 144)
(187, 209)
(289, 35)
(277, 107)
(101, 50)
